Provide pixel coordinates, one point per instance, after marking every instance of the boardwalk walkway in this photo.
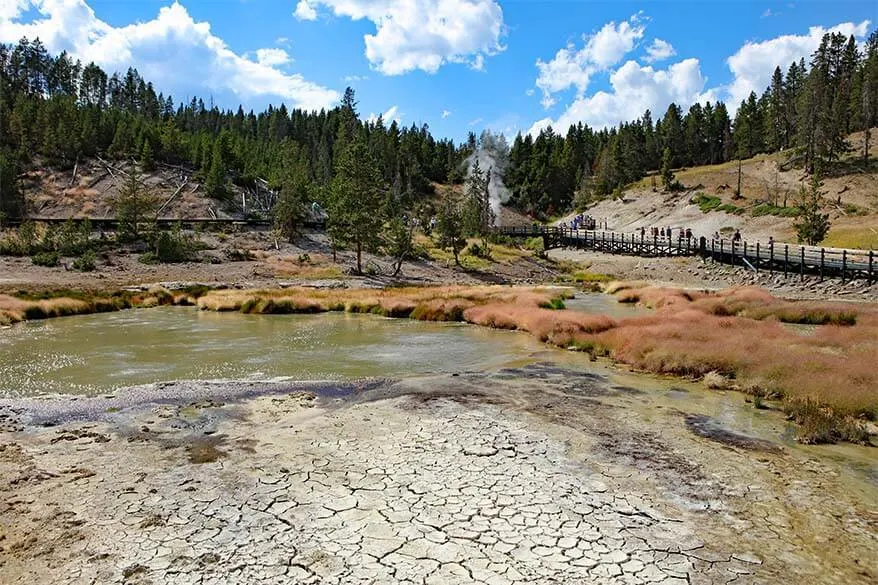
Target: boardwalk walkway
(777, 257)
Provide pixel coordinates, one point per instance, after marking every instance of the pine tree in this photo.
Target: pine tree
(776, 128)
(11, 200)
(147, 160)
(450, 228)
(813, 225)
(357, 197)
(215, 182)
(134, 208)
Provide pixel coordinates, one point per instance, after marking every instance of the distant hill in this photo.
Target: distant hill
(765, 206)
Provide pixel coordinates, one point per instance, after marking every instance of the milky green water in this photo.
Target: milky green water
(94, 354)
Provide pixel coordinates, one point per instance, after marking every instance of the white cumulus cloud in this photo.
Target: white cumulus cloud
(304, 11)
(423, 34)
(272, 57)
(635, 88)
(573, 67)
(445, 113)
(753, 64)
(167, 50)
(659, 50)
(391, 115)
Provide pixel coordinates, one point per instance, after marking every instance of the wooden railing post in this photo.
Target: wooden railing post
(871, 273)
(744, 256)
(771, 258)
(844, 264)
(786, 259)
(802, 265)
(822, 261)
(757, 256)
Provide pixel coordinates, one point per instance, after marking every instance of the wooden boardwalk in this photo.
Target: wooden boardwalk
(786, 259)
(109, 223)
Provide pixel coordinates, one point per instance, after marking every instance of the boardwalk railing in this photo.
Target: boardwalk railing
(163, 222)
(773, 257)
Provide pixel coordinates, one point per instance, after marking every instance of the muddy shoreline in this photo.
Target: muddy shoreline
(540, 473)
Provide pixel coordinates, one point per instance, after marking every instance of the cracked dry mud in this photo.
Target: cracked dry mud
(522, 476)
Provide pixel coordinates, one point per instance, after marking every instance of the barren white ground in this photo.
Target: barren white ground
(444, 481)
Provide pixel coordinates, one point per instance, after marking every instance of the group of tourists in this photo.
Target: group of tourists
(579, 222)
(682, 233)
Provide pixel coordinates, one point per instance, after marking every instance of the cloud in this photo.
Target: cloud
(423, 34)
(355, 78)
(754, 63)
(659, 50)
(635, 88)
(768, 13)
(10, 9)
(166, 50)
(572, 67)
(475, 122)
(445, 113)
(304, 11)
(391, 115)
(272, 57)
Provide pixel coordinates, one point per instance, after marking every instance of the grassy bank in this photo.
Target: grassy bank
(823, 376)
(26, 306)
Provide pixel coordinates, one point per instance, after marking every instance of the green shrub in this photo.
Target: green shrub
(768, 209)
(478, 251)
(48, 259)
(73, 239)
(730, 208)
(705, 203)
(536, 245)
(86, 262)
(555, 304)
(170, 246)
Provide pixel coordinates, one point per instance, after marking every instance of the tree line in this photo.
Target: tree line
(808, 109)
(55, 111)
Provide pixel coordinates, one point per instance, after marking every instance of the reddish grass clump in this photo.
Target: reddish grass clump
(740, 334)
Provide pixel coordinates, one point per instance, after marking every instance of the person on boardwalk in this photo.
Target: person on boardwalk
(737, 236)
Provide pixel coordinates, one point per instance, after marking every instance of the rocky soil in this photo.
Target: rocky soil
(533, 475)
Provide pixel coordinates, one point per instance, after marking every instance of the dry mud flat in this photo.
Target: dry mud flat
(533, 475)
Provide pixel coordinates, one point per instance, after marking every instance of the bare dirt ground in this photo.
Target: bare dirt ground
(272, 263)
(531, 475)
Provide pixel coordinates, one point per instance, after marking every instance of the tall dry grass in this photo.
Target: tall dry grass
(738, 334)
(826, 380)
(65, 303)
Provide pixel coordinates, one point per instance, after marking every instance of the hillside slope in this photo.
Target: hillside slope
(851, 195)
(92, 189)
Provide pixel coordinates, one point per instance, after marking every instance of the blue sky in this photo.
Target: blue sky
(457, 65)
